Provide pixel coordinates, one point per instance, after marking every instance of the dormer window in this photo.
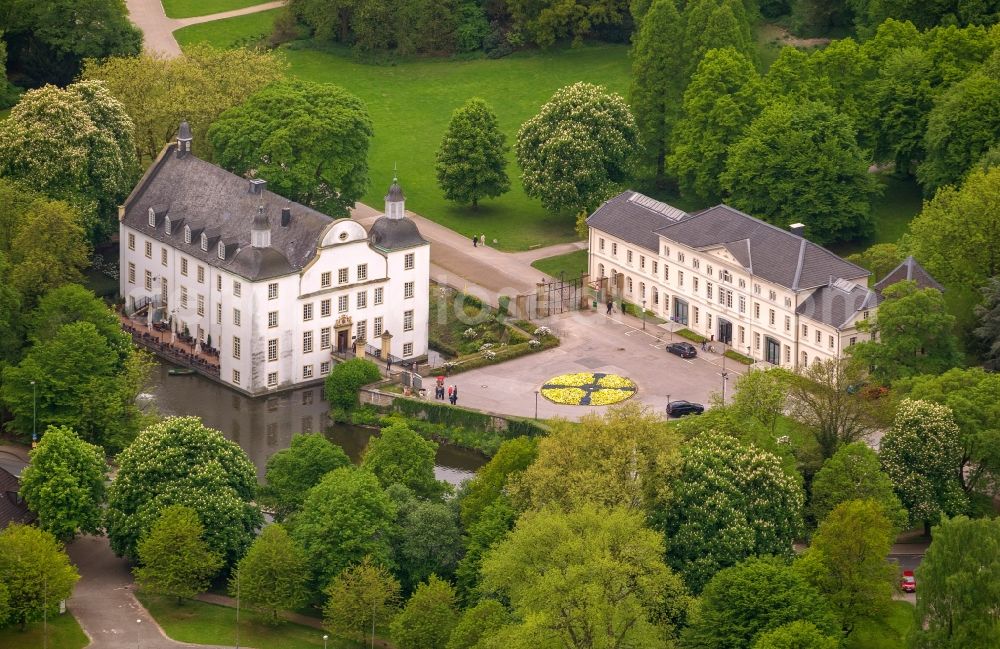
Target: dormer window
(152, 218)
(222, 250)
(204, 242)
(166, 224)
(187, 234)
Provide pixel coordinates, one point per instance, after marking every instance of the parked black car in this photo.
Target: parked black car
(681, 408)
(684, 350)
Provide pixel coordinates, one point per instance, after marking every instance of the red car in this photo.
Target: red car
(908, 583)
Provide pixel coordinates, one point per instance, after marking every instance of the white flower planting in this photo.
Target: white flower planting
(469, 333)
(541, 332)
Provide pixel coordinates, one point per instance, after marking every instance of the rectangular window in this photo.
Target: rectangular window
(656, 269)
(149, 250)
(756, 340)
(628, 256)
(361, 299)
(184, 297)
(708, 290)
(362, 272)
(272, 291)
(201, 304)
(695, 282)
(342, 304)
(408, 290)
(272, 379)
(666, 273)
(377, 328)
(236, 377)
(149, 281)
(805, 330)
(853, 341)
(131, 241)
(201, 274)
(729, 299)
(379, 295)
(272, 319)
(324, 308)
(307, 371)
(342, 276)
(218, 314)
(163, 257)
(407, 320)
(642, 262)
(324, 368)
(307, 311)
(236, 348)
(307, 342)
(236, 317)
(680, 256)
(272, 350)
(600, 244)
(743, 304)
(324, 338)
(756, 310)
(325, 280)
(407, 349)
(614, 249)
(680, 278)
(164, 292)
(361, 330)
(831, 342)
(237, 287)
(743, 335)
(409, 261)
(696, 313)
(819, 336)
(184, 266)
(788, 354)
(788, 323)
(218, 282)
(772, 295)
(770, 317)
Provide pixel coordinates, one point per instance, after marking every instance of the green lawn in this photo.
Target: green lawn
(188, 8)
(230, 32)
(411, 103)
(201, 623)
(64, 633)
(900, 201)
(571, 263)
(888, 633)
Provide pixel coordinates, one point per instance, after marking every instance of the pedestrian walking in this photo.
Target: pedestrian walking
(482, 240)
(451, 388)
(454, 395)
(475, 240)
(388, 363)
(611, 305)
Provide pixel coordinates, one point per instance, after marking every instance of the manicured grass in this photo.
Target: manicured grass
(887, 633)
(63, 633)
(230, 32)
(411, 104)
(188, 8)
(901, 200)
(571, 263)
(201, 623)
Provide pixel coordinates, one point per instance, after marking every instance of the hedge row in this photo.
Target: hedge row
(465, 418)
(500, 354)
(690, 335)
(736, 356)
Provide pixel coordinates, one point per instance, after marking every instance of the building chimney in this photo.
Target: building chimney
(286, 216)
(257, 185)
(798, 229)
(183, 139)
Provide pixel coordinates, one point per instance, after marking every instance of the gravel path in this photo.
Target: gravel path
(158, 30)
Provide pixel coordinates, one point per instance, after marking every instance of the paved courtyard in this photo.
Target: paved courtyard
(593, 342)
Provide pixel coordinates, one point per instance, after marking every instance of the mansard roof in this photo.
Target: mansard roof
(910, 269)
(208, 198)
(837, 303)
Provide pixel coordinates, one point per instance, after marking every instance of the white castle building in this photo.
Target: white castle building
(273, 289)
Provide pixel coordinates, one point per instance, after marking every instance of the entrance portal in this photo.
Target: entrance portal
(773, 351)
(725, 331)
(343, 341)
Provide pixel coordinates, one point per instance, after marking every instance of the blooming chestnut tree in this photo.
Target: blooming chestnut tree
(578, 149)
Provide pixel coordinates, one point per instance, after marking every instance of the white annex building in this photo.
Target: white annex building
(767, 292)
(270, 288)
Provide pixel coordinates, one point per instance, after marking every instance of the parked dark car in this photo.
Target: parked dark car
(681, 408)
(684, 350)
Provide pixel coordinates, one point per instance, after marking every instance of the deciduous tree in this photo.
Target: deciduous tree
(428, 617)
(274, 575)
(345, 379)
(64, 484)
(750, 598)
(175, 559)
(959, 589)
(902, 96)
(579, 149)
(309, 140)
(179, 461)
(847, 561)
(74, 303)
(36, 572)
(492, 525)
(49, 249)
(346, 517)
(472, 161)
(491, 480)
(293, 471)
(800, 161)
(592, 577)
(854, 473)
(761, 396)
(360, 597)
(729, 501)
(922, 455)
(399, 455)
(482, 620)
(914, 334)
(796, 635)
(988, 313)
(428, 541)
(545, 23)
(880, 259)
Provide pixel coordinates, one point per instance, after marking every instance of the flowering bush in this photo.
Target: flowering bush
(489, 355)
(469, 333)
(485, 346)
(541, 332)
(534, 344)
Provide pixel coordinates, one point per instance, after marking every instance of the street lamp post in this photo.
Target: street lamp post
(536, 404)
(138, 625)
(725, 377)
(324, 641)
(237, 609)
(34, 413)
(644, 315)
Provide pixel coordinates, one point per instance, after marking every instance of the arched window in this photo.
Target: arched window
(222, 250)
(166, 224)
(187, 234)
(805, 359)
(152, 218)
(656, 295)
(642, 289)
(204, 242)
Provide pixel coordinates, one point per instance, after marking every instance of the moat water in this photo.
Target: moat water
(265, 425)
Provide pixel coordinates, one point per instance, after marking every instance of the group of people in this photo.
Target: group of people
(479, 241)
(439, 391)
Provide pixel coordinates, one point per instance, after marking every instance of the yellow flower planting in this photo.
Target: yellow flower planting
(588, 389)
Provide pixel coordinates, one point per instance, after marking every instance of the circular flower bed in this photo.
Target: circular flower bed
(588, 389)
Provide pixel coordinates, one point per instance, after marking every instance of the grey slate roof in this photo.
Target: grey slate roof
(767, 251)
(191, 191)
(394, 234)
(12, 511)
(395, 192)
(836, 303)
(910, 269)
(630, 218)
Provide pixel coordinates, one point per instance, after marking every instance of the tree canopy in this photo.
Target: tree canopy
(309, 140)
(491, 480)
(361, 596)
(472, 162)
(427, 618)
(854, 473)
(796, 635)
(36, 572)
(988, 313)
(579, 148)
(273, 576)
(175, 559)
(179, 461)
(399, 455)
(293, 471)
(428, 541)
(49, 249)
